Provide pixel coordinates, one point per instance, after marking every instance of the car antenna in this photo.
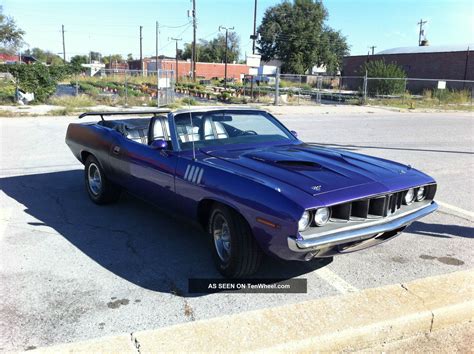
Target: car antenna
(192, 130)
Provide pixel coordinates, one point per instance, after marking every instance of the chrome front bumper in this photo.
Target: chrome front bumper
(360, 234)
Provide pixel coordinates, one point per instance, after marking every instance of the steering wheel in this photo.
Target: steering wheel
(249, 132)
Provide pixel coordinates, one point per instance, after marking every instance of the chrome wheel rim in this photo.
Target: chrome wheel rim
(221, 234)
(94, 179)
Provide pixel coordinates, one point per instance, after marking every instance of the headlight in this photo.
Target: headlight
(409, 196)
(304, 221)
(321, 216)
(420, 194)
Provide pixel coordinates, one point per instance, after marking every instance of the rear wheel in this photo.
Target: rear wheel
(236, 252)
(99, 188)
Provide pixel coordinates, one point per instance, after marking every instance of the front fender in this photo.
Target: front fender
(251, 197)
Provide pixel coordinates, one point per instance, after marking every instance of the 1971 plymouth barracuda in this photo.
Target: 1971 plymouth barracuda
(250, 182)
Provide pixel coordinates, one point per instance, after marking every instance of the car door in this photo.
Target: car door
(147, 172)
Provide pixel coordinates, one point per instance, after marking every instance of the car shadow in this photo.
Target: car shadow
(441, 230)
(132, 239)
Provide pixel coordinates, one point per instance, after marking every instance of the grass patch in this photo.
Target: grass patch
(66, 111)
(182, 103)
(73, 101)
(5, 113)
(421, 104)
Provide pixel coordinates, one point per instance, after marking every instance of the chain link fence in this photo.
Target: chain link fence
(159, 88)
(288, 89)
(128, 87)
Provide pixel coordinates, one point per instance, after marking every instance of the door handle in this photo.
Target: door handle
(116, 150)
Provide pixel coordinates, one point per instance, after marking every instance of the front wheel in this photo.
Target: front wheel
(235, 250)
(99, 188)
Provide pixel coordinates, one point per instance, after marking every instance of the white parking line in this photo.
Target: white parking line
(335, 280)
(456, 209)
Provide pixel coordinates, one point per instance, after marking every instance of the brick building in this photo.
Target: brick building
(451, 62)
(203, 70)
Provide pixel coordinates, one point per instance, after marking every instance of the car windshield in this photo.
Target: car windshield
(228, 127)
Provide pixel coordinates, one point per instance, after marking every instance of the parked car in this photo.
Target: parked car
(250, 182)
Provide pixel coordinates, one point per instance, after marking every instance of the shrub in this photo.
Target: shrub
(37, 78)
(224, 96)
(189, 101)
(7, 92)
(379, 69)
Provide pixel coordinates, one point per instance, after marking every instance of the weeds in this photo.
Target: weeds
(73, 101)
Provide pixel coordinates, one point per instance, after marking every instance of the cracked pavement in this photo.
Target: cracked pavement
(65, 259)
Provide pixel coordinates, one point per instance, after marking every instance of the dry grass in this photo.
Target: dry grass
(5, 113)
(73, 101)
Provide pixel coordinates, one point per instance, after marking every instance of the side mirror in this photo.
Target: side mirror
(159, 144)
(294, 133)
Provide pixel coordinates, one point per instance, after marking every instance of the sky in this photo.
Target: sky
(112, 26)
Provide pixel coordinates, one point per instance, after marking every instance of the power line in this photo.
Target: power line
(166, 45)
(210, 34)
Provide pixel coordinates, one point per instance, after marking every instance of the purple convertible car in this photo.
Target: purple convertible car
(250, 183)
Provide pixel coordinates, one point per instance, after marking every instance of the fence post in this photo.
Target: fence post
(319, 85)
(365, 88)
(17, 96)
(157, 86)
(299, 90)
(77, 85)
(277, 86)
(126, 89)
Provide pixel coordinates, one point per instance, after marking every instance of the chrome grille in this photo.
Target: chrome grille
(374, 207)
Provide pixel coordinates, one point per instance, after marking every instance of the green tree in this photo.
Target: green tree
(76, 62)
(295, 33)
(379, 69)
(213, 51)
(95, 56)
(11, 37)
(114, 57)
(45, 56)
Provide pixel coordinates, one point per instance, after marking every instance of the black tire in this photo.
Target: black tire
(104, 192)
(244, 256)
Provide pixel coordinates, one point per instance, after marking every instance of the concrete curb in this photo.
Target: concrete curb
(352, 321)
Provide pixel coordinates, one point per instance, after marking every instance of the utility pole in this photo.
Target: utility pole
(64, 44)
(225, 52)
(141, 49)
(254, 37)
(421, 23)
(176, 40)
(372, 48)
(194, 54)
(156, 65)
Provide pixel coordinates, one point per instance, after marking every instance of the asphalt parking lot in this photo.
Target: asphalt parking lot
(71, 270)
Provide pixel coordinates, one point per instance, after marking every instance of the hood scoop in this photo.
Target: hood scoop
(288, 163)
(299, 164)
